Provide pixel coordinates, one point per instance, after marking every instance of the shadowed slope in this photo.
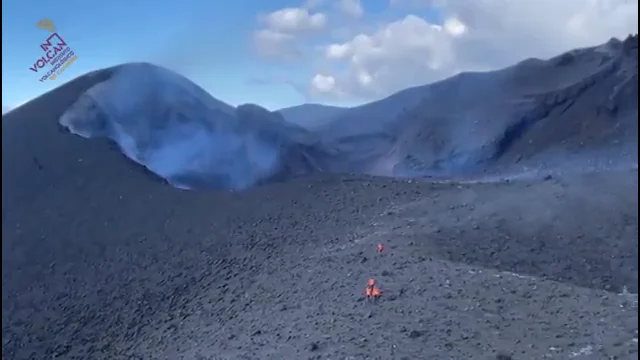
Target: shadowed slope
(78, 220)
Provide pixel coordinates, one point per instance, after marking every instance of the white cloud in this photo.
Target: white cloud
(276, 45)
(338, 51)
(294, 20)
(281, 29)
(394, 56)
(323, 83)
(454, 27)
(475, 35)
(351, 7)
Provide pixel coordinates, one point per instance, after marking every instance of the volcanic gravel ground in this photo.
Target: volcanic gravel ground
(279, 272)
(307, 302)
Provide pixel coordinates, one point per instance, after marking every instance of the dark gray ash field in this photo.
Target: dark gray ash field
(506, 203)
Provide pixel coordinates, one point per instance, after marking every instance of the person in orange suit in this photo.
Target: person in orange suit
(372, 291)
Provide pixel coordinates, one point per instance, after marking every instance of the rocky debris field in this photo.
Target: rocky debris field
(531, 269)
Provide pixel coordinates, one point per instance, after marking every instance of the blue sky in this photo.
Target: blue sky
(210, 39)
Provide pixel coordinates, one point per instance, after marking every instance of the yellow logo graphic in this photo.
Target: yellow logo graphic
(46, 24)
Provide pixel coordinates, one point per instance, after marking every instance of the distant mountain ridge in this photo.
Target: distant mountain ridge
(474, 120)
(533, 113)
(312, 116)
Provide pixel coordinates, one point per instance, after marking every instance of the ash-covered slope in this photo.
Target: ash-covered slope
(585, 98)
(177, 130)
(77, 216)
